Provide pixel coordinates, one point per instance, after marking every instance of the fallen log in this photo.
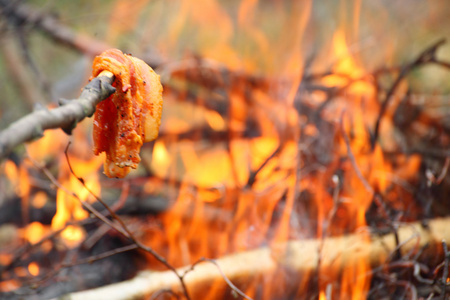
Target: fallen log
(299, 259)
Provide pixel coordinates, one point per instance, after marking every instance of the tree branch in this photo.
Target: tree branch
(426, 57)
(18, 14)
(66, 116)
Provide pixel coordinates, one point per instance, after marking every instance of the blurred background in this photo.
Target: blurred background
(264, 37)
(267, 136)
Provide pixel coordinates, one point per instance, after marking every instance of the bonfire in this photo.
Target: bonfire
(226, 151)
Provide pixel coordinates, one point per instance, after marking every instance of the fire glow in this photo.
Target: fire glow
(246, 181)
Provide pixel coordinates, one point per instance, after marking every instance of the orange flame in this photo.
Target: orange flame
(20, 182)
(70, 208)
(241, 194)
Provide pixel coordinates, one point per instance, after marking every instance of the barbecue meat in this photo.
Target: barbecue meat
(130, 116)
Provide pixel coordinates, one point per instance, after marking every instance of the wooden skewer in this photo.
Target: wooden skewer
(33, 125)
(106, 73)
(299, 259)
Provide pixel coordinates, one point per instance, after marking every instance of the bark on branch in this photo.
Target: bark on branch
(66, 116)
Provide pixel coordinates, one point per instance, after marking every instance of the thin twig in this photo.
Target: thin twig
(93, 258)
(445, 271)
(162, 292)
(252, 177)
(121, 229)
(417, 269)
(437, 180)
(85, 204)
(87, 260)
(352, 158)
(408, 286)
(227, 280)
(27, 248)
(426, 57)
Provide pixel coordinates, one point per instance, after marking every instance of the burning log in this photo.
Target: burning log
(299, 258)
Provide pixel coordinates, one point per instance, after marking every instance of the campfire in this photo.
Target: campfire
(290, 163)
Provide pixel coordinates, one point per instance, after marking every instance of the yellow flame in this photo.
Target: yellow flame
(346, 63)
(161, 159)
(205, 170)
(69, 207)
(73, 235)
(215, 120)
(347, 70)
(50, 145)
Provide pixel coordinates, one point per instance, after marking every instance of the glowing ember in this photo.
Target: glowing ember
(9, 285)
(33, 268)
(5, 258)
(39, 200)
(34, 232)
(73, 235)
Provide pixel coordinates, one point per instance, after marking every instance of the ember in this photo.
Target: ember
(293, 162)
